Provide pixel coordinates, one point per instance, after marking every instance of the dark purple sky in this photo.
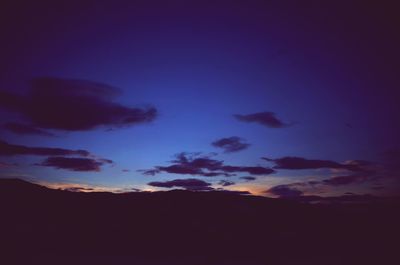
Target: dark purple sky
(279, 98)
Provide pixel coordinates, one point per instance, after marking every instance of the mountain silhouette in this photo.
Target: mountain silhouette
(46, 226)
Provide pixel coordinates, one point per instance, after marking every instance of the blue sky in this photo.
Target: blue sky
(327, 70)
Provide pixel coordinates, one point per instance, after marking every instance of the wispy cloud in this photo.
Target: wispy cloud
(226, 183)
(7, 149)
(293, 162)
(266, 118)
(231, 144)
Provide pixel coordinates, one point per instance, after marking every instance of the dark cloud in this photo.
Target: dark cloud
(78, 189)
(313, 182)
(126, 190)
(188, 184)
(7, 149)
(19, 128)
(378, 188)
(236, 192)
(73, 163)
(297, 188)
(182, 169)
(226, 183)
(360, 164)
(194, 185)
(231, 144)
(134, 190)
(191, 160)
(301, 184)
(248, 178)
(73, 105)
(105, 161)
(284, 191)
(365, 172)
(251, 170)
(149, 172)
(292, 189)
(292, 162)
(264, 118)
(186, 163)
(346, 180)
(185, 170)
(205, 166)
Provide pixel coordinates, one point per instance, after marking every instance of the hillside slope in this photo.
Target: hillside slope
(181, 227)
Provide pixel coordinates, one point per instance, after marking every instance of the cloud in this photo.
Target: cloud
(194, 185)
(190, 160)
(149, 172)
(236, 192)
(292, 189)
(184, 169)
(132, 190)
(74, 164)
(57, 157)
(378, 187)
(7, 149)
(19, 128)
(346, 180)
(79, 189)
(226, 183)
(231, 144)
(249, 169)
(248, 178)
(187, 184)
(186, 163)
(189, 164)
(284, 191)
(365, 171)
(297, 187)
(266, 118)
(292, 162)
(73, 105)
(362, 172)
(100, 189)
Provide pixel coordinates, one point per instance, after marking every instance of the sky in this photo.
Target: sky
(272, 98)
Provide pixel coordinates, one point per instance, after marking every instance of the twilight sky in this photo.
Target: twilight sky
(277, 98)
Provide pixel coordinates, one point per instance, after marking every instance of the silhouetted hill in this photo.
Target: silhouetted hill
(19, 185)
(182, 227)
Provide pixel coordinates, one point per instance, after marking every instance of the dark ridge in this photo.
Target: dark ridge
(16, 184)
(183, 227)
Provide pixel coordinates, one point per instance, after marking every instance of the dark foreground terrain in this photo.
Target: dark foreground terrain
(43, 226)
